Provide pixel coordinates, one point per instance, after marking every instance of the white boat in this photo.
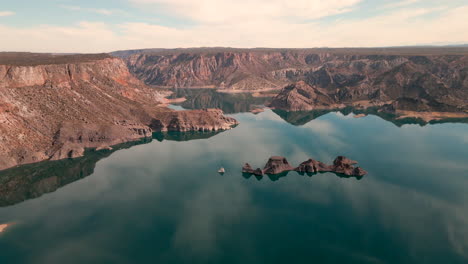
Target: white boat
(221, 170)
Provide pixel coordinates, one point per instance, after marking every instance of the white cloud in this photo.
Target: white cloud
(397, 4)
(101, 11)
(407, 26)
(210, 11)
(6, 13)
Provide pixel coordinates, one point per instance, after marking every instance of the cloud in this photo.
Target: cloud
(101, 11)
(6, 13)
(83, 37)
(406, 26)
(206, 218)
(397, 4)
(216, 11)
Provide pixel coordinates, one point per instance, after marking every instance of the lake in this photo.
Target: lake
(162, 200)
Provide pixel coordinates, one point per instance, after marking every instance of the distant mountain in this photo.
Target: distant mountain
(410, 78)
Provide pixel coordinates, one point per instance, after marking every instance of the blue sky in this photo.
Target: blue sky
(104, 25)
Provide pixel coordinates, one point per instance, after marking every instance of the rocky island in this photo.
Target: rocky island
(55, 106)
(277, 165)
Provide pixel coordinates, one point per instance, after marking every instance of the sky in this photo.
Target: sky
(91, 26)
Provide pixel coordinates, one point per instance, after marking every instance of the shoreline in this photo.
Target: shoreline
(430, 116)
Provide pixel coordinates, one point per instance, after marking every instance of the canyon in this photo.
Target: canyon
(55, 106)
(404, 79)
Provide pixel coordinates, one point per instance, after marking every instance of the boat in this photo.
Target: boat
(221, 170)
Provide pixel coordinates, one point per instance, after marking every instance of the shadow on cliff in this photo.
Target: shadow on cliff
(301, 118)
(33, 180)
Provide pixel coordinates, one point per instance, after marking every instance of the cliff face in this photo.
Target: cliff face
(435, 78)
(360, 73)
(236, 70)
(52, 110)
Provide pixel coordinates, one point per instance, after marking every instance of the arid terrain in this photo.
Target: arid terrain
(409, 79)
(50, 109)
(55, 106)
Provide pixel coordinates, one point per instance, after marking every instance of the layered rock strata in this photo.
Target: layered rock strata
(301, 96)
(53, 107)
(410, 79)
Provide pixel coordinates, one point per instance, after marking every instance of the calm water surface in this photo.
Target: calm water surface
(164, 202)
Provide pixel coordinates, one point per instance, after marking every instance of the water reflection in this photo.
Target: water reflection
(210, 98)
(184, 136)
(164, 202)
(33, 180)
(300, 118)
(276, 177)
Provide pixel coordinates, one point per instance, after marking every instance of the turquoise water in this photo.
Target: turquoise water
(164, 202)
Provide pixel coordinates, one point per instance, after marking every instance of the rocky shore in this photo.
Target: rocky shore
(396, 79)
(56, 106)
(300, 97)
(277, 165)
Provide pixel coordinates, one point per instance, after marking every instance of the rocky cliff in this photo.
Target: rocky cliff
(436, 78)
(327, 68)
(53, 107)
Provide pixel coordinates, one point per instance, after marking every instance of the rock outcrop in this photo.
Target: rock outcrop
(55, 106)
(277, 165)
(313, 166)
(302, 97)
(192, 120)
(343, 165)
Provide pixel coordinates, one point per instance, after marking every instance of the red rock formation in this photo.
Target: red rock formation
(247, 168)
(313, 166)
(277, 165)
(346, 76)
(302, 97)
(53, 110)
(344, 166)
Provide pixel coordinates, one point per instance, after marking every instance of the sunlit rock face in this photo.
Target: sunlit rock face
(405, 79)
(54, 107)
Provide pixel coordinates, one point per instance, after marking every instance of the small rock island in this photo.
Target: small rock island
(278, 165)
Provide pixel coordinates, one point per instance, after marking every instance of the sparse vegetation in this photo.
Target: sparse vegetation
(34, 59)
